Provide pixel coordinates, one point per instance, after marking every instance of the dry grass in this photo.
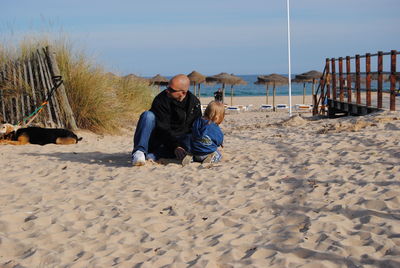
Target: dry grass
(100, 102)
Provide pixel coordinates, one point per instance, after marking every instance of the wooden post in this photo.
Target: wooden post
(70, 120)
(313, 87)
(341, 94)
(194, 88)
(304, 93)
(368, 78)
(380, 78)
(223, 93)
(267, 92)
(348, 79)
(393, 54)
(333, 65)
(358, 80)
(273, 97)
(198, 90)
(231, 95)
(326, 80)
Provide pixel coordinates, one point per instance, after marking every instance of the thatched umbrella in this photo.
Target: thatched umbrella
(308, 77)
(159, 81)
(272, 79)
(224, 79)
(136, 78)
(196, 78)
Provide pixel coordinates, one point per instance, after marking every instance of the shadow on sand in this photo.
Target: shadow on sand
(99, 158)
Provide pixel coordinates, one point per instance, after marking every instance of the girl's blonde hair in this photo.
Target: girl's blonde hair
(215, 112)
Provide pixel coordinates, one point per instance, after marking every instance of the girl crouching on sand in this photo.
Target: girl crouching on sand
(207, 136)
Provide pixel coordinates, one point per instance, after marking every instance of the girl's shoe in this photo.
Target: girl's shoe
(187, 160)
(212, 158)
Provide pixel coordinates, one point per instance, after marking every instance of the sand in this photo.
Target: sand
(256, 101)
(298, 192)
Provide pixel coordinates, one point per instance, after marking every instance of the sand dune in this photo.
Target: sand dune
(298, 192)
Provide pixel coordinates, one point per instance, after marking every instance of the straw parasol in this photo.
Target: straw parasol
(272, 79)
(224, 79)
(159, 81)
(196, 78)
(135, 77)
(308, 77)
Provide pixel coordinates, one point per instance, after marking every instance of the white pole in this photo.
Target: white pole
(290, 73)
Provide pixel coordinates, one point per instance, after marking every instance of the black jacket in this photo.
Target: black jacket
(174, 118)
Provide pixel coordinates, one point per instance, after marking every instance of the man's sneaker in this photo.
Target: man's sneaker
(151, 157)
(138, 158)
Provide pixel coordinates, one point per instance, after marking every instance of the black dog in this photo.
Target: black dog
(42, 136)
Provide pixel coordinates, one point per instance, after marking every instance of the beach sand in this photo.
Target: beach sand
(256, 101)
(299, 192)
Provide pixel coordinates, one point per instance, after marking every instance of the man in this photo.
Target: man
(164, 130)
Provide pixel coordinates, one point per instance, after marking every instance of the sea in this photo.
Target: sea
(252, 89)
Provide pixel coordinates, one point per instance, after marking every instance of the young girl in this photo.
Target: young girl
(207, 136)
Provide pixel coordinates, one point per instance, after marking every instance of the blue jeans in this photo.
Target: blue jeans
(144, 141)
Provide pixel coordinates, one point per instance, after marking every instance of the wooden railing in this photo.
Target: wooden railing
(344, 86)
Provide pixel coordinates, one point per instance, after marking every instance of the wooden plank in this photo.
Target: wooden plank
(25, 76)
(3, 107)
(50, 85)
(39, 92)
(44, 87)
(12, 115)
(15, 88)
(31, 82)
(21, 89)
(70, 119)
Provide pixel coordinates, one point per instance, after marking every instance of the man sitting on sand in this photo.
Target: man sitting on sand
(163, 131)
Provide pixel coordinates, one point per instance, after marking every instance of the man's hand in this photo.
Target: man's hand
(180, 153)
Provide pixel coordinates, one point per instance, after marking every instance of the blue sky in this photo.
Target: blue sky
(235, 36)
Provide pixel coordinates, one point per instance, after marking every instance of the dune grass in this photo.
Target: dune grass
(101, 102)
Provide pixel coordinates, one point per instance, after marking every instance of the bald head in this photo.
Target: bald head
(179, 86)
(180, 82)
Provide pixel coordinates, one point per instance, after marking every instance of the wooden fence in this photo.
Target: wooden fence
(26, 85)
(360, 91)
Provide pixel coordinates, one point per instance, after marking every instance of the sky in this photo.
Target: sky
(234, 36)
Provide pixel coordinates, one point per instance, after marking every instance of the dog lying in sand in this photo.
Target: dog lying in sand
(10, 134)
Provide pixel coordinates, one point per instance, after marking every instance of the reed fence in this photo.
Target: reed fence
(32, 92)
